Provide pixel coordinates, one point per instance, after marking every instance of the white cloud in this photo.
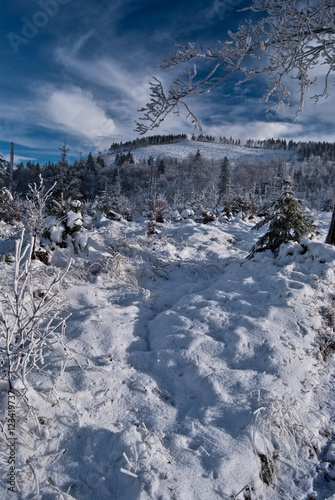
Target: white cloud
(68, 110)
(255, 130)
(129, 77)
(19, 158)
(75, 111)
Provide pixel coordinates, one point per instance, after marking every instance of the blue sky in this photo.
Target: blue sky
(80, 70)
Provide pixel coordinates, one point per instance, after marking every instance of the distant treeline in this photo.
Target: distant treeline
(142, 142)
(325, 150)
(305, 150)
(222, 140)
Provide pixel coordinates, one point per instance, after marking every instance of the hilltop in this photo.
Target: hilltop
(209, 150)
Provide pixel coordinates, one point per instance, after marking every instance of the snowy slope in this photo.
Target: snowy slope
(195, 374)
(183, 149)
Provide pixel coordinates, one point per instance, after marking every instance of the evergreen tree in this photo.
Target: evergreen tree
(2, 170)
(115, 177)
(331, 232)
(101, 161)
(63, 170)
(90, 163)
(287, 221)
(161, 168)
(129, 158)
(224, 179)
(121, 158)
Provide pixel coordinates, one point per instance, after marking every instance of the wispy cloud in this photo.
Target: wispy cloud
(254, 130)
(221, 9)
(57, 112)
(74, 110)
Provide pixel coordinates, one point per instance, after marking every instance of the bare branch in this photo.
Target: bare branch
(291, 39)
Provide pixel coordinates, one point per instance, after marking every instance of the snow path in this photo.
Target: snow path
(187, 368)
(192, 354)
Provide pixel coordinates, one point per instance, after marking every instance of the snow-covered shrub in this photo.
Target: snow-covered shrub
(287, 221)
(68, 229)
(186, 213)
(206, 217)
(32, 344)
(175, 215)
(116, 268)
(10, 208)
(151, 228)
(278, 435)
(35, 218)
(326, 339)
(237, 204)
(147, 447)
(30, 322)
(107, 205)
(115, 206)
(159, 206)
(326, 343)
(74, 225)
(178, 200)
(74, 218)
(56, 233)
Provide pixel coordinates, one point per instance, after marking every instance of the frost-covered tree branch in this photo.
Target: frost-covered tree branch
(30, 322)
(36, 210)
(291, 39)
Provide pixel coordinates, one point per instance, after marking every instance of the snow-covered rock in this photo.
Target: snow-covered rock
(186, 213)
(74, 220)
(56, 233)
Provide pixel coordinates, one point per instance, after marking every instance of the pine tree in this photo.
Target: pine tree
(129, 158)
(2, 170)
(90, 163)
(101, 161)
(63, 171)
(287, 221)
(115, 177)
(331, 232)
(224, 180)
(161, 168)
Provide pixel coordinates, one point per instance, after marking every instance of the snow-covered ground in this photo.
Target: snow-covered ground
(194, 374)
(211, 150)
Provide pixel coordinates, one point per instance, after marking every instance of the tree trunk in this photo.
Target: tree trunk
(331, 233)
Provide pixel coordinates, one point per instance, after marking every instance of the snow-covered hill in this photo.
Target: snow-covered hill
(183, 149)
(194, 373)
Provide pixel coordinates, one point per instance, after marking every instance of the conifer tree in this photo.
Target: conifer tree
(287, 221)
(2, 170)
(331, 232)
(224, 180)
(161, 168)
(101, 161)
(90, 163)
(63, 171)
